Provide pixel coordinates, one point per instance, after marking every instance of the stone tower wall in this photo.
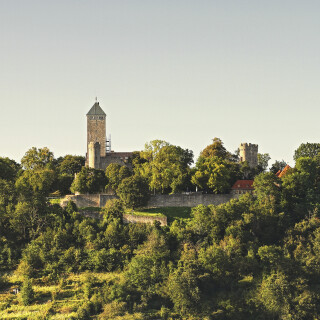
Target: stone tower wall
(94, 155)
(249, 153)
(96, 132)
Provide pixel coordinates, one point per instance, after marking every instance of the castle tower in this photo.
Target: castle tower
(96, 129)
(249, 153)
(94, 155)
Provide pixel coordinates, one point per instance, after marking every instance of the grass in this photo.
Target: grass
(172, 213)
(55, 201)
(144, 213)
(52, 301)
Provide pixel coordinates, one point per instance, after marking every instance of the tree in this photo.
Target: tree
(113, 210)
(37, 182)
(216, 149)
(69, 165)
(37, 158)
(267, 190)
(89, 180)
(275, 293)
(166, 167)
(8, 169)
(27, 293)
(115, 173)
(214, 174)
(307, 150)
(278, 166)
(147, 269)
(184, 285)
(134, 191)
(263, 160)
(301, 187)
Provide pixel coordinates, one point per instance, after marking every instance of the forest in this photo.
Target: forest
(256, 257)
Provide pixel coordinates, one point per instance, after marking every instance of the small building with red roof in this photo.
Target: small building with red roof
(280, 173)
(242, 186)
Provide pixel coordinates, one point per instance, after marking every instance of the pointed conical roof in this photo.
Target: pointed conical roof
(96, 110)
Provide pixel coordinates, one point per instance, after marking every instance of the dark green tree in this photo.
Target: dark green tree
(8, 169)
(307, 150)
(89, 181)
(134, 192)
(115, 173)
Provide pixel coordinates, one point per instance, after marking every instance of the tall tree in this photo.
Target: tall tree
(37, 158)
(8, 169)
(89, 181)
(115, 173)
(166, 167)
(307, 150)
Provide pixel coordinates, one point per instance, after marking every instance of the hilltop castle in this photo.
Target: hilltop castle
(249, 152)
(99, 154)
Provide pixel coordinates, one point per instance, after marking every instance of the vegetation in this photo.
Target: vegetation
(256, 257)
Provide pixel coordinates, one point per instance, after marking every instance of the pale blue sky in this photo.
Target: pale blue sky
(181, 71)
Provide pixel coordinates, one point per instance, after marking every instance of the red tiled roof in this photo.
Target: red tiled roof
(243, 184)
(283, 172)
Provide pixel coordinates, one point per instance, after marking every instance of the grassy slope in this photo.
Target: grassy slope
(172, 213)
(52, 301)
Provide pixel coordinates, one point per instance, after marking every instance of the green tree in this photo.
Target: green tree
(27, 293)
(263, 160)
(216, 149)
(113, 210)
(166, 167)
(134, 191)
(115, 173)
(8, 169)
(69, 164)
(37, 158)
(267, 190)
(278, 166)
(275, 294)
(213, 173)
(36, 182)
(307, 150)
(89, 181)
(184, 286)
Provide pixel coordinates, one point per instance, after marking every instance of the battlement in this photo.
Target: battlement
(249, 152)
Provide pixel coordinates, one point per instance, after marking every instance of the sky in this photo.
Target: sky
(177, 70)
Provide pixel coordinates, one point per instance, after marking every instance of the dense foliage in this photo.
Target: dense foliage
(257, 257)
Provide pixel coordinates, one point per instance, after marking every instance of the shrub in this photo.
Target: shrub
(27, 293)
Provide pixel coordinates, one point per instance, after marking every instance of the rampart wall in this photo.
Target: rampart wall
(188, 200)
(159, 200)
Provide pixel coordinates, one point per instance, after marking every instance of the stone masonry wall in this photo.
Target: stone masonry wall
(87, 200)
(188, 200)
(164, 200)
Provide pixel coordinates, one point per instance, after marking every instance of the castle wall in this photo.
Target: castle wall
(171, 200)
(120, 158)
(188, 200)
(87, 200)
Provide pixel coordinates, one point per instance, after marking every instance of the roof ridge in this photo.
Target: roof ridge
(96, 110)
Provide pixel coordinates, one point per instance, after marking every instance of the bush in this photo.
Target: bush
(27, 293)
